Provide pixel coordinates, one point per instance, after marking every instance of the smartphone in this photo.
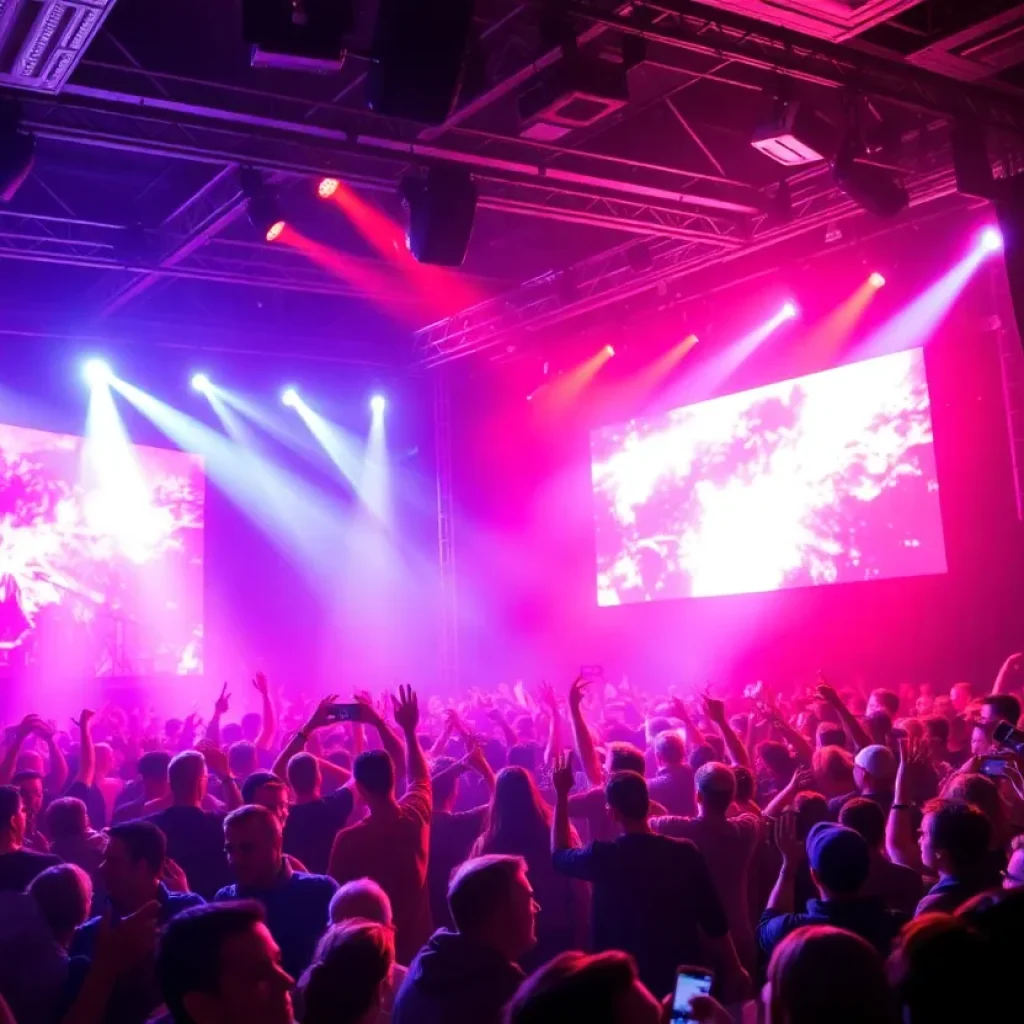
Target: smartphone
(591, 672)
(993, 766)
(690, 982)
(345, 712)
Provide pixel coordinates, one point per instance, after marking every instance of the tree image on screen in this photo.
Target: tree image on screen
(828, 478)
(101, 556)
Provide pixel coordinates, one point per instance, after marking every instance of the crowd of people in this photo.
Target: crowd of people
(831, 855)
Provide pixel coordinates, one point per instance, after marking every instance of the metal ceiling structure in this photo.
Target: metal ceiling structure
(132, 224)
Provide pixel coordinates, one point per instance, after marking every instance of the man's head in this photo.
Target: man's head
(955, 837)
(583, 987)
(348, 979)
(1013, 877)
(104, 754)
(879, 727)
(304, 776)
(363, 898)
(624, 757)
(839, 860)
(492, 903)
(219, 964)
(66, 818)
(883, 700)
(243, 759)
(627, 798)
(867, 819)
(669, 750)
(254, 845)
(936, 731)
(132, 863)
(776, 759)
(64, 894)
(250, 726)
(153, 767)
(999, 707)
(828, 734)
(31, 786)
(267, 790)
(716, 788)
(12, 817)
(374, 773)
(960, 696)
(186, 775)
(444, 783)
(874, 769)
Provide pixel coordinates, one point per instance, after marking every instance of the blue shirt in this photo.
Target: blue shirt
(297, 906)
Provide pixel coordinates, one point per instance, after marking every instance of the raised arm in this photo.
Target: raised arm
(24, 729)
(581, 734)
(220, 709)
(692, 736)
(217, 765)
(87, 752)
(801, 780)
(475, 759)
(269, 715)
(451, 718)
(900, 842)
(58, 774)
(854, 730)
(319, 718)
(388, 737)
(556, 742)
(715, 710)
(562, 779)
(497, 716)
(1009, 674)
(783, 897)
(801, 748)
(407, 717)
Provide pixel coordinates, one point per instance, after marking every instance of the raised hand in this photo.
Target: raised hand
(216, 759)
(322, 715)
(577, 692)
(792, 848)
(407, 709)
(260, 684)
(454, 724)
(679, 710)
(84, 719)
(546, 696)
(714, 709)
(562, 776)
(371, 716)
(802, 779)
(221, 707)
(828, 693)
(28, 725)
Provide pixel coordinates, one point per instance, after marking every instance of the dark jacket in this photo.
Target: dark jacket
(455, 981)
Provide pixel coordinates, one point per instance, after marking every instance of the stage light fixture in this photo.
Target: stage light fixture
(97, 373)
(201, 383)
(378, 404)
(794, 135)
(327, 187)
(877, 280)
(298, 35)
(873, 188)
(789, 311)
(610, 350)
(261, 204)
(290, 398)
(991, 240)
(442, 208)
(274, 231)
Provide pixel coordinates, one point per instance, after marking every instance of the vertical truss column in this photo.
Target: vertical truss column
(448, 622)
(1011, 370)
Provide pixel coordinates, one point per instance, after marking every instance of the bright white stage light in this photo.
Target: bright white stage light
(991, 240)
(378, 404)
(290, 398)
(789, 311)
(201, 383)
(97, 373)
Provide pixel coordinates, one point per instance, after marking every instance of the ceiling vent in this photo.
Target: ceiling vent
(976, 51)
(42, 41)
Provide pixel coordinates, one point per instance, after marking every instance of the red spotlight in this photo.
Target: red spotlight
(274, 231)
(876, 280)
(609, 350)
(327, 187)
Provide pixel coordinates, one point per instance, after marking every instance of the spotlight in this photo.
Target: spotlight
(877, 280)
(991, 240)
(201, 383)
(290, 398)
(378, 404)
(327, 187)
(789, 311)
(274, 231)
(97, 373)
(610, 350)
(262, 205)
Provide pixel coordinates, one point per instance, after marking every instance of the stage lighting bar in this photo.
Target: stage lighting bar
(97, 373)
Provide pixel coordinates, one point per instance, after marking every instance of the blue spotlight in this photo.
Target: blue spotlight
(201, 383)
(290, 398)
(378, 404)
(97, 373)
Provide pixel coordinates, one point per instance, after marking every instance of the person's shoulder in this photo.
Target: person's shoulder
(179, 901)
(674, 825)
(229, 892)
(307, 880)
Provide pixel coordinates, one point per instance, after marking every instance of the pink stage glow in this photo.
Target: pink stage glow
(98, 572)
(828, 478)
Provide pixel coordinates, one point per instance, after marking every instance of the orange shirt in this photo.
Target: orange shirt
(392, 850)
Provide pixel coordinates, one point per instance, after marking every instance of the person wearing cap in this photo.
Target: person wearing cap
(840, 864)
(874, 773)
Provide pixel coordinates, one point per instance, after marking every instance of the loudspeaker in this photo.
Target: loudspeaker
(418, 58)
(442, 208)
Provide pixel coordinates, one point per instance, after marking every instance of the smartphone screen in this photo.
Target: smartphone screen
(346, 712)
(995, 766)
(690, 982)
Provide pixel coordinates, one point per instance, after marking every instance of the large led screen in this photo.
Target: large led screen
(828, 478)
(101, 555)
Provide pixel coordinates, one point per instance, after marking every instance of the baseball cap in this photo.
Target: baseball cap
(878, 761)
(838, 856)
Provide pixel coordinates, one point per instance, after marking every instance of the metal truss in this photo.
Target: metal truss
(448, 625)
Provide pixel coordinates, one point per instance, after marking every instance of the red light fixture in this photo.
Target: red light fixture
(609, 350)
(274, 231)
(877, 280)
(327, 187)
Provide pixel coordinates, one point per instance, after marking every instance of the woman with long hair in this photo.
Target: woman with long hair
(519, 823)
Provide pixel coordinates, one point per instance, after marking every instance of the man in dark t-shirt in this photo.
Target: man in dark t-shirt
(18, 866)
(653, 896)
(313, 820)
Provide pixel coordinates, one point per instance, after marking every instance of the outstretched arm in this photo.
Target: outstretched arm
(562, 779)
(555, 740)
(1009, 674)
(801, 748)
(217, 764)
(715, 710)
(407, 717)
(87, 752)
(28, 725)
(581, 734)
(854, 730)
(900, 842)
(692, 736)
(269, 717)
(801, 780)
(297, 743)
(783, 896)
(58, 775)
(219, 709)
(388, 737)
